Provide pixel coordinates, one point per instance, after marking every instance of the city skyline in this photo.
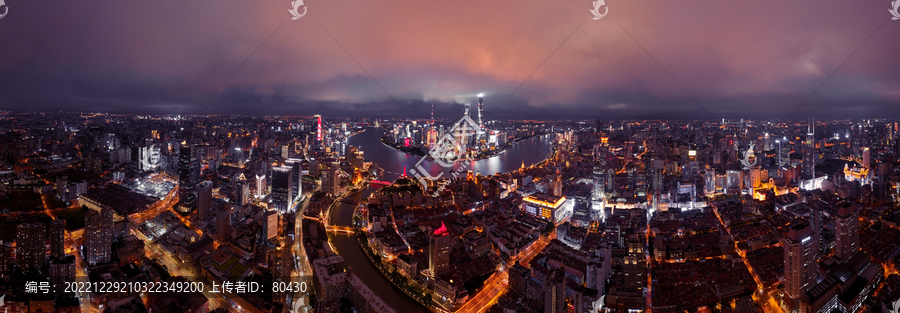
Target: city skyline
(585, 156)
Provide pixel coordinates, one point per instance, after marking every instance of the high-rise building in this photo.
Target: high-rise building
(223, 222)
(635, 268)
(58, 238)
(62, 270)
(331, 179)
(271, 224)
(204, 199)
(439, 251)
(296, 176)
(261, 187)
(599, 180)
(480, 133)
(30, 253)
(555, 292)
(800, 266)
(809, 152)
(282, 189)
(242, 193)
(98, 236)
(318, 119)
(846, 228)
(866, 158)
(188, 174)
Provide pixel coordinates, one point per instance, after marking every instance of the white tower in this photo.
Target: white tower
(480, 109)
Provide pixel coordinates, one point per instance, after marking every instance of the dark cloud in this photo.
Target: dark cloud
(754, 59)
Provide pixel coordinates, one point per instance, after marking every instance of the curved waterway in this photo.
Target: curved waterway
(529, 151)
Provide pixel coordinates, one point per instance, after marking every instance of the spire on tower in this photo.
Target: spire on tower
(480, 107)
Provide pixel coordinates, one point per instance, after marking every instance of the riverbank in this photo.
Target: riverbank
(395, 278)
(531, 152)
(359, 259)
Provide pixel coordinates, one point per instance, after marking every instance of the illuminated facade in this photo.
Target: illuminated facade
(799, 263)
(548, 207)
(282, 189)
(30, 246)
(439, 251)
(261, 186)
(98, 236)
(318, 127)
(809, 152)
(846, 228)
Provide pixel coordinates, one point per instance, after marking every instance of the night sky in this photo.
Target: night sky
(738, 59)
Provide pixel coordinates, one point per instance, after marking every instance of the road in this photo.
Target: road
(495, 285)
(302, 267)
(762, 296)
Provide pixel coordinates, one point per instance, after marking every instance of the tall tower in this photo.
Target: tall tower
(866, 158)
(599, 180)
(555, 292)
(635, 264)
(480, 109)
(809, 151)
(467, 109)
(799, 263)
(439, 251)
(261, 186)
(188, 172)
(318, 127)
(98, 236)
(282, 189)
(846, 228)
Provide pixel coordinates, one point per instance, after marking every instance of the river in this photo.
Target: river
(529, 151)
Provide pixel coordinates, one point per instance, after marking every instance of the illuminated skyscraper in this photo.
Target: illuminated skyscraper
(846, 228)
(439, 251)
(331, 179)
(799, 263)
(30, 246)
(635, 264)
(599, 180)
(296, 176)
(282, 189)
(809, 152)
(555, 292)
(480, 110)
(261, 187)
(98, 236)
(188, 174)
(318, 127)
(866, 158)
